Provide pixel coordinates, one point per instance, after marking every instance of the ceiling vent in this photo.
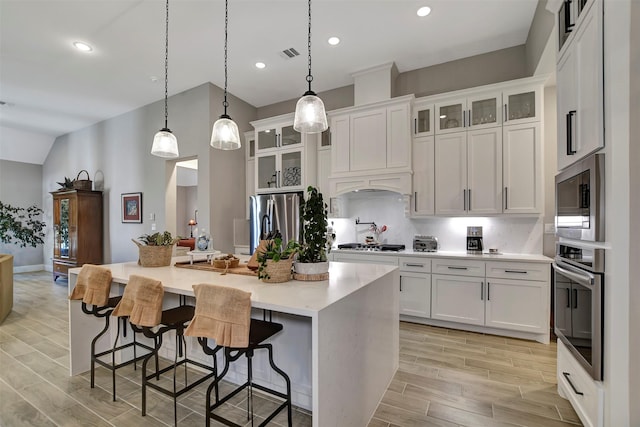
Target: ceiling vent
(289, 53)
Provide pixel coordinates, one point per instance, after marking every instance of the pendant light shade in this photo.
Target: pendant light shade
(310, 115)
(225, 135)
(165, 143)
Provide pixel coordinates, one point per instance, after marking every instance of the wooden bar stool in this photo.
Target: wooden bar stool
(224, 315)
(92, 288)
(142, 302)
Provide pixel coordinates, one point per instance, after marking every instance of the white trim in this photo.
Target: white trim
(30, 268)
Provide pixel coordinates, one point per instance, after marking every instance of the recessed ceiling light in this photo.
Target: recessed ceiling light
(82, 46)
(333, 41)
(424, 11)
(260, 65)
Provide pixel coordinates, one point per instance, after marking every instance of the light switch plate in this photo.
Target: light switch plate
(549, 228)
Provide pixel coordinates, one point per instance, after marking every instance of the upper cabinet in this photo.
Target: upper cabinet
(522, 105)
(580, 84)
(285, 160)
(473, 112)
(422, 124)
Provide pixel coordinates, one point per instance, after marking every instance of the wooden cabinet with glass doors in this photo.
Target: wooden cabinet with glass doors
(77, 227)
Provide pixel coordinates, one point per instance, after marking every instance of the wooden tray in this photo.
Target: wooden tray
(206, 265)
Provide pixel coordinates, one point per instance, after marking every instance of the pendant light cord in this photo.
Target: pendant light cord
(226, 24)
(166, 68)
(309, 76)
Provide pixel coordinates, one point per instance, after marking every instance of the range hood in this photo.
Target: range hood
(372, 140)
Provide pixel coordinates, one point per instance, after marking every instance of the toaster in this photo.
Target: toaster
(425, 243)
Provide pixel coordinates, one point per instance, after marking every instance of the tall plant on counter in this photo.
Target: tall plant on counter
(21, 225)
(313, 216)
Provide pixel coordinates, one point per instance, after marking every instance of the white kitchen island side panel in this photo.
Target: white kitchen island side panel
(357, 340)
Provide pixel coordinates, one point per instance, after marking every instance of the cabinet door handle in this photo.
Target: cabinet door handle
(575, 298)
(567, 16)
(506, 117)
(488, 291)
(469, 204)
(400, 283)
(415, 126)
(414, 265)
(506, 200)
(464, 118)
(568, 298)
(456, 268)
(482, 291)
(516, 271)
(570, 150)
(575, 390)
(464, 199)
(415, 201)
(278, 179)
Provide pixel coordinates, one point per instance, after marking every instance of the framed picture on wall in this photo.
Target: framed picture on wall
(131, 207)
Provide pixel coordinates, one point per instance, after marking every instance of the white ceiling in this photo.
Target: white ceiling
(52, 89)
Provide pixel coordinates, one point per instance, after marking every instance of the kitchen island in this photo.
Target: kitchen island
(340, 340)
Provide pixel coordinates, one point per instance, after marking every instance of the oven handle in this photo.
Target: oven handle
(582, 277)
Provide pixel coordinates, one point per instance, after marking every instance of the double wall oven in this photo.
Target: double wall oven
(579, 262)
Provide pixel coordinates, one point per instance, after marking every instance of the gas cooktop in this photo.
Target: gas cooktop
(371, 247)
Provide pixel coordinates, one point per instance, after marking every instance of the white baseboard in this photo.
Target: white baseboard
(30, 268)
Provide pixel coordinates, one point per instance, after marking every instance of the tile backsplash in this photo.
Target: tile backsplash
(506, 233)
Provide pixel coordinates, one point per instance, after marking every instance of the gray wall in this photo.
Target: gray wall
(120, 147)
(541, 28)
(186, 204)
(333, 100)
(21, 186)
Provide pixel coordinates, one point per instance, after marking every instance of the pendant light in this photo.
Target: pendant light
(310, 115)
(165, 143)
(224, 135)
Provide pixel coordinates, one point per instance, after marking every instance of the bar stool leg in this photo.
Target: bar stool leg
(93, 351)
(113, 362)
(286, 379)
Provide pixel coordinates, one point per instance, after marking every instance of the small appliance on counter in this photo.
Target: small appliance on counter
(474, 240)
(425, 243)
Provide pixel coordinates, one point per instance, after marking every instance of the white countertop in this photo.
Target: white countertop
(453, 254)
(294, 297)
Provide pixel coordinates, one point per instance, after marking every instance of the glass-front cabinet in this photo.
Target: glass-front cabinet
(77, 228)
(280, 171)
(422, 124)
(451, 116)
(521, 105)
(276, 137)
(484, 111)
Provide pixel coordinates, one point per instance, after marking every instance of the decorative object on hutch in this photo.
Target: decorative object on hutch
(77, 226)
(310, 114)
(224, 135)
(165, 143)
(131, 208)
(82, 184)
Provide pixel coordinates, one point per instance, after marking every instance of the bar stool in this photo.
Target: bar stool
(92, 287)
(224, 315)
(142, 302)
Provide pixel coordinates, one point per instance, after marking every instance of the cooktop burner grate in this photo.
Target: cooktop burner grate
(371, 247)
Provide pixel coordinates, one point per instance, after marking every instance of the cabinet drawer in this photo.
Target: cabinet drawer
(366, 259)
(415, 264)
(62, 268)
(518, 270)
(589, 405)
(458, 267)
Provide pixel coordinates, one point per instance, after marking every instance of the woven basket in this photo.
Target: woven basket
(226, 263)
(278, 271)
(154, 256)
(82, 184)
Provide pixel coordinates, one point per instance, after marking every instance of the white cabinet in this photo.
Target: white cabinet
(415, 286)
(476, 111)
(364, 258)
(457, 299)
(285, 160)
(522, 168)
(423, 164)
(324, 168)
(250, 183)
(368, 140)
(522, 105)
(468, 172)
(580, 89)
(518, 296)
(422, 124)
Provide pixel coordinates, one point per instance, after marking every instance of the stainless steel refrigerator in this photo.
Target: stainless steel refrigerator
(271, 213)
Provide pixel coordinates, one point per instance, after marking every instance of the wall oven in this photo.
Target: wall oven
(580, 200)
(579, 303)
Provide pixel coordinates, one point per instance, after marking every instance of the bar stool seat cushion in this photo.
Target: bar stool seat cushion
(222, 314)
(93, 285)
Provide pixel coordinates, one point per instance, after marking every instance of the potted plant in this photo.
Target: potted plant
(276, 260)
(21, 225)
(155, 249)
(312, 255)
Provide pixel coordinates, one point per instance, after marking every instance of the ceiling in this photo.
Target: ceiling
(51, 89)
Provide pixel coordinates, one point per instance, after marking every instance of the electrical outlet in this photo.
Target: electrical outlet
(549, 228)
(153, 227)
(152, 217)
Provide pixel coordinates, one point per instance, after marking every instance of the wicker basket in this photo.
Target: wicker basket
(226, 263)
(82, 184)
(154, 256)
(278, 271)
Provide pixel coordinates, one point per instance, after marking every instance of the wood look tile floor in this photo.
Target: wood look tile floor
(446, 378)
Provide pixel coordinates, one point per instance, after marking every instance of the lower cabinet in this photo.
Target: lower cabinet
(457, 299)
(415, 286)
(517, 304)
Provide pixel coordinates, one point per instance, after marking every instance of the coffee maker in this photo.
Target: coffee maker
(474, 240)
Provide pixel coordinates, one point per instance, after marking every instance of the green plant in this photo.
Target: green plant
(275, 251)
(313, 232)
(158, 239)
(21, 225)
